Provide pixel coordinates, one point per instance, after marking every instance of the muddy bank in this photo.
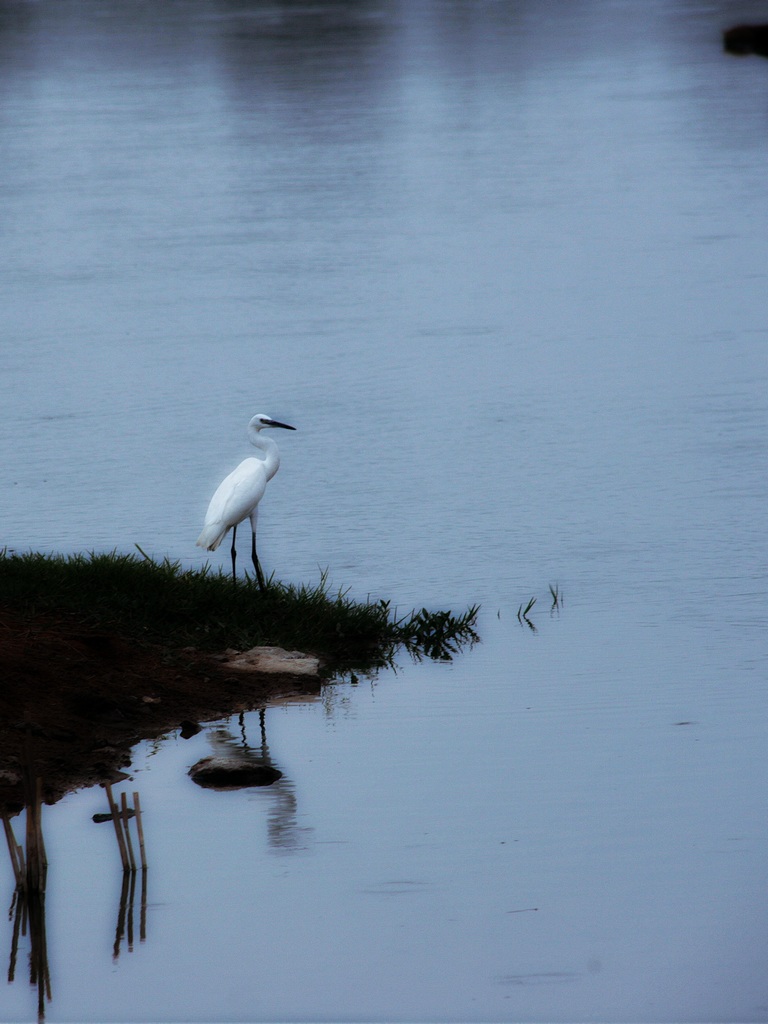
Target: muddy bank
(73, 702)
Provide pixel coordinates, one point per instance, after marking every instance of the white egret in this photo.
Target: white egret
(238, 495)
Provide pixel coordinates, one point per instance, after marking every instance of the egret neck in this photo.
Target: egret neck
(265, 444)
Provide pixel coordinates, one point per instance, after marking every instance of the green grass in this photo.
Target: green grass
(162, 603)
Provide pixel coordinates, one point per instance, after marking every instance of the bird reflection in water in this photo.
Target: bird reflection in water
(284, 833)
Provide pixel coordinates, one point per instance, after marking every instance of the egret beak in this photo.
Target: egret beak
(275, 423)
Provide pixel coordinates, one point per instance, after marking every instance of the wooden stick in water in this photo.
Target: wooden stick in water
(10, 838)
(22, 863)
(131, 898)
(15, 939)
(39, 823)
(33, 849)
(128, 843)
(120, 928)
(118, 830)
(143, 911)
(140, 830)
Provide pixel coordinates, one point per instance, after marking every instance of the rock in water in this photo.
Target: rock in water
(232, 773)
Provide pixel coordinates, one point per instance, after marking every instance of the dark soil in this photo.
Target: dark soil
(74, 702)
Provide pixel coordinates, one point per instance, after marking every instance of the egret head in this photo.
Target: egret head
(261, 420)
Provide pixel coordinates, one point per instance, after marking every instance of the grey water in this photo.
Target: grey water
(503, 265)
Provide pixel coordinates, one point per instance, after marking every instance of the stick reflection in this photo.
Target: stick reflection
(28, 903)
(30, 869)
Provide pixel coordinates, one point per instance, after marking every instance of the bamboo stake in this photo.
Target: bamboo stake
(39, 823)
(143, 912)
(118, 830)
(10, 838)
(33, 851)
(38, 961)
(131, 898)
(22, 863)
(128, 843)
(15, 939)
(120, 929)
(46, 967)
(140, 830)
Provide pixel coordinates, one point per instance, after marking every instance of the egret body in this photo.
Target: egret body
(238, 495)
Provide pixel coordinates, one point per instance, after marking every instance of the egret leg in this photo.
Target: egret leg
(233, 552)
(256, 565)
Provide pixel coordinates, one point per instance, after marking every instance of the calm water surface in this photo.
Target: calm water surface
(504, 267)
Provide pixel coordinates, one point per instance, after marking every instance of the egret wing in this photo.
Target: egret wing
(234, 500)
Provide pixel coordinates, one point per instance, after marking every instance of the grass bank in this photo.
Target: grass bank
(162, 603)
